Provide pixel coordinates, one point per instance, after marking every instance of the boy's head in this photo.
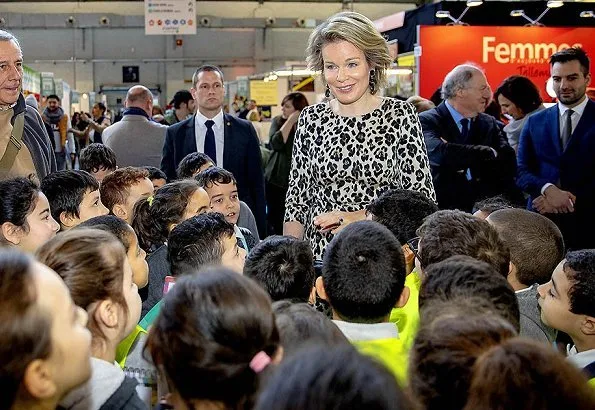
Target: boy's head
(535, 243)
(222, 188)
(464, 277)
(448, 233)
(401, 211)
(568, 300)
(157, 177)
(283, 266)
(121, 189)
(482, 209)
(73, 197)
(98, 160)
(126, 235)
(206, 239)
(363, 273)
(194, 163)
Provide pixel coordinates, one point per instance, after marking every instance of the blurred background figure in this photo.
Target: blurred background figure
(421, 104)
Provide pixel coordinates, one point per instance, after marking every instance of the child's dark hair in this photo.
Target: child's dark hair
(115, 187)
(192, 163)
(512, 376)
(91, 263)
(65, 191)
(401, 211)
(210, 328)
(25, 330)
(155, 173)
(363, 272)
(535, 243)
(451, 336)
(112, 224)
(464, 277)
(18, 198)
(580, 270)
(154, 216)
(492, 204)
(283, 266)
(319, 378)
(215, 175)
(198, 242)
(448, 233)
(300, 324)
(96, 157)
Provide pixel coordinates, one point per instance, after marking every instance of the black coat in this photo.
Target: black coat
(241, 157)
(452, 159)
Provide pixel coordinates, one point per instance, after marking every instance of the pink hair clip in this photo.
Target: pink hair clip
(260, 361)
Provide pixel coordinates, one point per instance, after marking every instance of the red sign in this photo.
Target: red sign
(501, 51)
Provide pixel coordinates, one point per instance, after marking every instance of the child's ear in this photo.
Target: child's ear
(403, 298)
(106, 314)
(38, 380)
(320, 289)
(68, 221)
(278, 355)
(588, 326)
(12, 233)
(120, 211)
(312, 298)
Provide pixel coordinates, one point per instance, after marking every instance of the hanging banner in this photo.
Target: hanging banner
(501, 51)
(170, 17)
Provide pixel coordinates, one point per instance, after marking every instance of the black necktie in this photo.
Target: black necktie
(567, 131)
(465, 129)
(210, 148)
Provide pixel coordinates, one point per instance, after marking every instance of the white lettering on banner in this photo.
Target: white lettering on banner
(526, 53)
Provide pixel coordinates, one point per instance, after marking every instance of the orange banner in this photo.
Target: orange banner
(501, 51)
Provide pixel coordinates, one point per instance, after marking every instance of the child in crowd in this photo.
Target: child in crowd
(452, 335)
(284, 267)
(154, 218)
(73, 196)
(39, 330)
(121, 189)
(448, 233)
(363, 279)
(403, 212)
(129, 353)
(300, 324)
(222, 188)
(536, 247)
(482, 209)
(157, 177)
(192, 164)
(520, 374)
(96, 270)
(318, 378)
(200, 241)
(568, 304)
(465, 277)
(99, 160)
(25, 218)
(212, 340)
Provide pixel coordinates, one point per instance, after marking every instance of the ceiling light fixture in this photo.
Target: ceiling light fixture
(457, 21)
(587, 14)
(551, 4)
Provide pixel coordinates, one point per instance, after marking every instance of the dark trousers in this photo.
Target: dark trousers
(275, 208)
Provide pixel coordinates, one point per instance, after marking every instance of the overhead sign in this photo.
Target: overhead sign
(170, 17)
(264, 92)
(501, 51)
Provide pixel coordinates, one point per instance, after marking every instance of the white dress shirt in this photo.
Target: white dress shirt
(576, 117)
(200, 131)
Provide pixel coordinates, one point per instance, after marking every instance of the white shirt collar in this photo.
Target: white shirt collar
(201, 119)
(578, 109)
(582, 359)
(367, 331)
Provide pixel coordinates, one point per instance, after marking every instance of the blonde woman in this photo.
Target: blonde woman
(357, 144)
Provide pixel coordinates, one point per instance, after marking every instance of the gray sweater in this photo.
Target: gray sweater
(531, 324)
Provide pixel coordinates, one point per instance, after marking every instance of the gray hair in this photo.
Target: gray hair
(458, 79)
(6, 36)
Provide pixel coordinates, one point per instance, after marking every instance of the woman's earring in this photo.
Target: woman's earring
(372, 81)
(327, 92)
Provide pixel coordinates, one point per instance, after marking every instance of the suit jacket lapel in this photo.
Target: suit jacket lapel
(553, 126)
(228, 145)
(190, 140)
(452, 130)
(585, 123)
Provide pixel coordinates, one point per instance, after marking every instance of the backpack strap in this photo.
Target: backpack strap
(14, 145)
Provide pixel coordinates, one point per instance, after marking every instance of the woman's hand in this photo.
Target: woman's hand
(335, 221)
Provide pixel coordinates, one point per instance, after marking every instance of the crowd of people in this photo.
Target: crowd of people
(387, 254)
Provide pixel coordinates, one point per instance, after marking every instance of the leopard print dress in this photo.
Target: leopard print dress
(343, 163)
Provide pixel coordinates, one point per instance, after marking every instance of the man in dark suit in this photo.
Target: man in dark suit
(230, 142)
(556, 158)
(470, 157)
